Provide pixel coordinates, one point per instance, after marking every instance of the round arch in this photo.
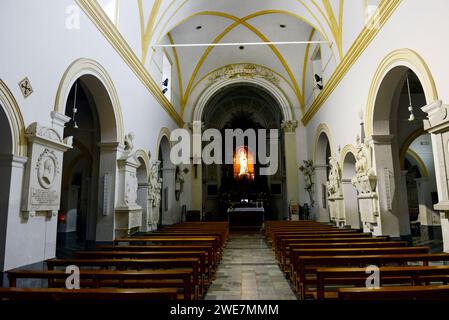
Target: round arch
(400, 58)
(87, 67)
(263, 84)
(322, 129)
(164, 132)
(145, 158)
(348, 149)
(12, 111)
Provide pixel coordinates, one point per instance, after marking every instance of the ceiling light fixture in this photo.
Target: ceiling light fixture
(410, 107)
(224, 44)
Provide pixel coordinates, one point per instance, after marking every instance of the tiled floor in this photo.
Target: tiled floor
(249, 271)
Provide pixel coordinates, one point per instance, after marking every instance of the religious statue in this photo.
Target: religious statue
(243, 163)
(129, 142)
(179, 183)
(309, 170)
(154, 190)
(334, 183)
(365, 179)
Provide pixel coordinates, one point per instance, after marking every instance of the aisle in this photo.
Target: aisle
(249, 271)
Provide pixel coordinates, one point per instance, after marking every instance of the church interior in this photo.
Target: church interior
(224, 150)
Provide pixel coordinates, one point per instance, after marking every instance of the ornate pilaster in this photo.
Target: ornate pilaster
(437, 124)
(365, 181)
(43, 175)
(128, 214)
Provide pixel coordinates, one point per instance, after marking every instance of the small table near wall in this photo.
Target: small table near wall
(246, 217)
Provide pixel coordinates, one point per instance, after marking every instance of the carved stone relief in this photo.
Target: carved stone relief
(42, 183)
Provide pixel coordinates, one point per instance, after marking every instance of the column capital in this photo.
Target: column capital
(438, 117)
(289, 126)
(195, 126)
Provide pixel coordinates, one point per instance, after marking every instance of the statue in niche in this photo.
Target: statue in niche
(129, 142)
(243, 163)
(334, 183)
(154, 190)
(179, 182)
(365, 179)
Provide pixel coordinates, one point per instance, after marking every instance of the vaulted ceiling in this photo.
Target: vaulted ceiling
(342, 28)
(212, 21)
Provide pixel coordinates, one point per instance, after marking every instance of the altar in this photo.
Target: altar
(246, 217)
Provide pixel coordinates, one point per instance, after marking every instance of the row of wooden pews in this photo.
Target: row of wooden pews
(325, 262)
(176, 263)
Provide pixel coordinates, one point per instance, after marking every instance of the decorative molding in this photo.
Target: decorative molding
(94, 11)
(401, 57)
(289, 126)
(14, 115)
(243, 71)
(82, 67)
(386, 9)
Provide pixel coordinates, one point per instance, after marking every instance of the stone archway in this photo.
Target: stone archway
(100, 111)
(389, 124)
(13, 154)
(323, 151)
(352, 213)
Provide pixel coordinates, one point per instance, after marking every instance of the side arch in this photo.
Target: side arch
(322, 129)
(85, 67)
(206, 96)
(405, 58)
(15, 118)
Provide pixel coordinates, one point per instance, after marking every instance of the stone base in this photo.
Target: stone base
(127, 221)
(431, 233)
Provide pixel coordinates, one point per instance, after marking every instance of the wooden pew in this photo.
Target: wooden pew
(164, 240)
(413, 275)
(287, 244)
(135, 264)
(107, 294)
(286, 254)
(156, 248)
(281, 241)
(112, 278)
(309, 264)
(396, 293)
(204, 269)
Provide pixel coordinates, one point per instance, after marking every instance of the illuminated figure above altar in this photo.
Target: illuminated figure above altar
(243, 163)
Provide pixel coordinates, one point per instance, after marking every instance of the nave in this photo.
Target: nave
(203, 260)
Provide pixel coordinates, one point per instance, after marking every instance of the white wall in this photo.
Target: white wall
(37, 44)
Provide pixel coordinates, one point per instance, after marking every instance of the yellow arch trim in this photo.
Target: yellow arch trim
(82, 67)
(335, 28)
(322, 128)
(141, 154)
(347, 149)
(402, 57)
(178, 66)
(12, 110)
(304, 68)
(421, 165)
(164, 132)
(148, 34)
(243, 22)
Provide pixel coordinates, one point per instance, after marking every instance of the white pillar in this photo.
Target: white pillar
(321, 209)
(291, 167)
(107, 193)
(438, 125)
(351, 204)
